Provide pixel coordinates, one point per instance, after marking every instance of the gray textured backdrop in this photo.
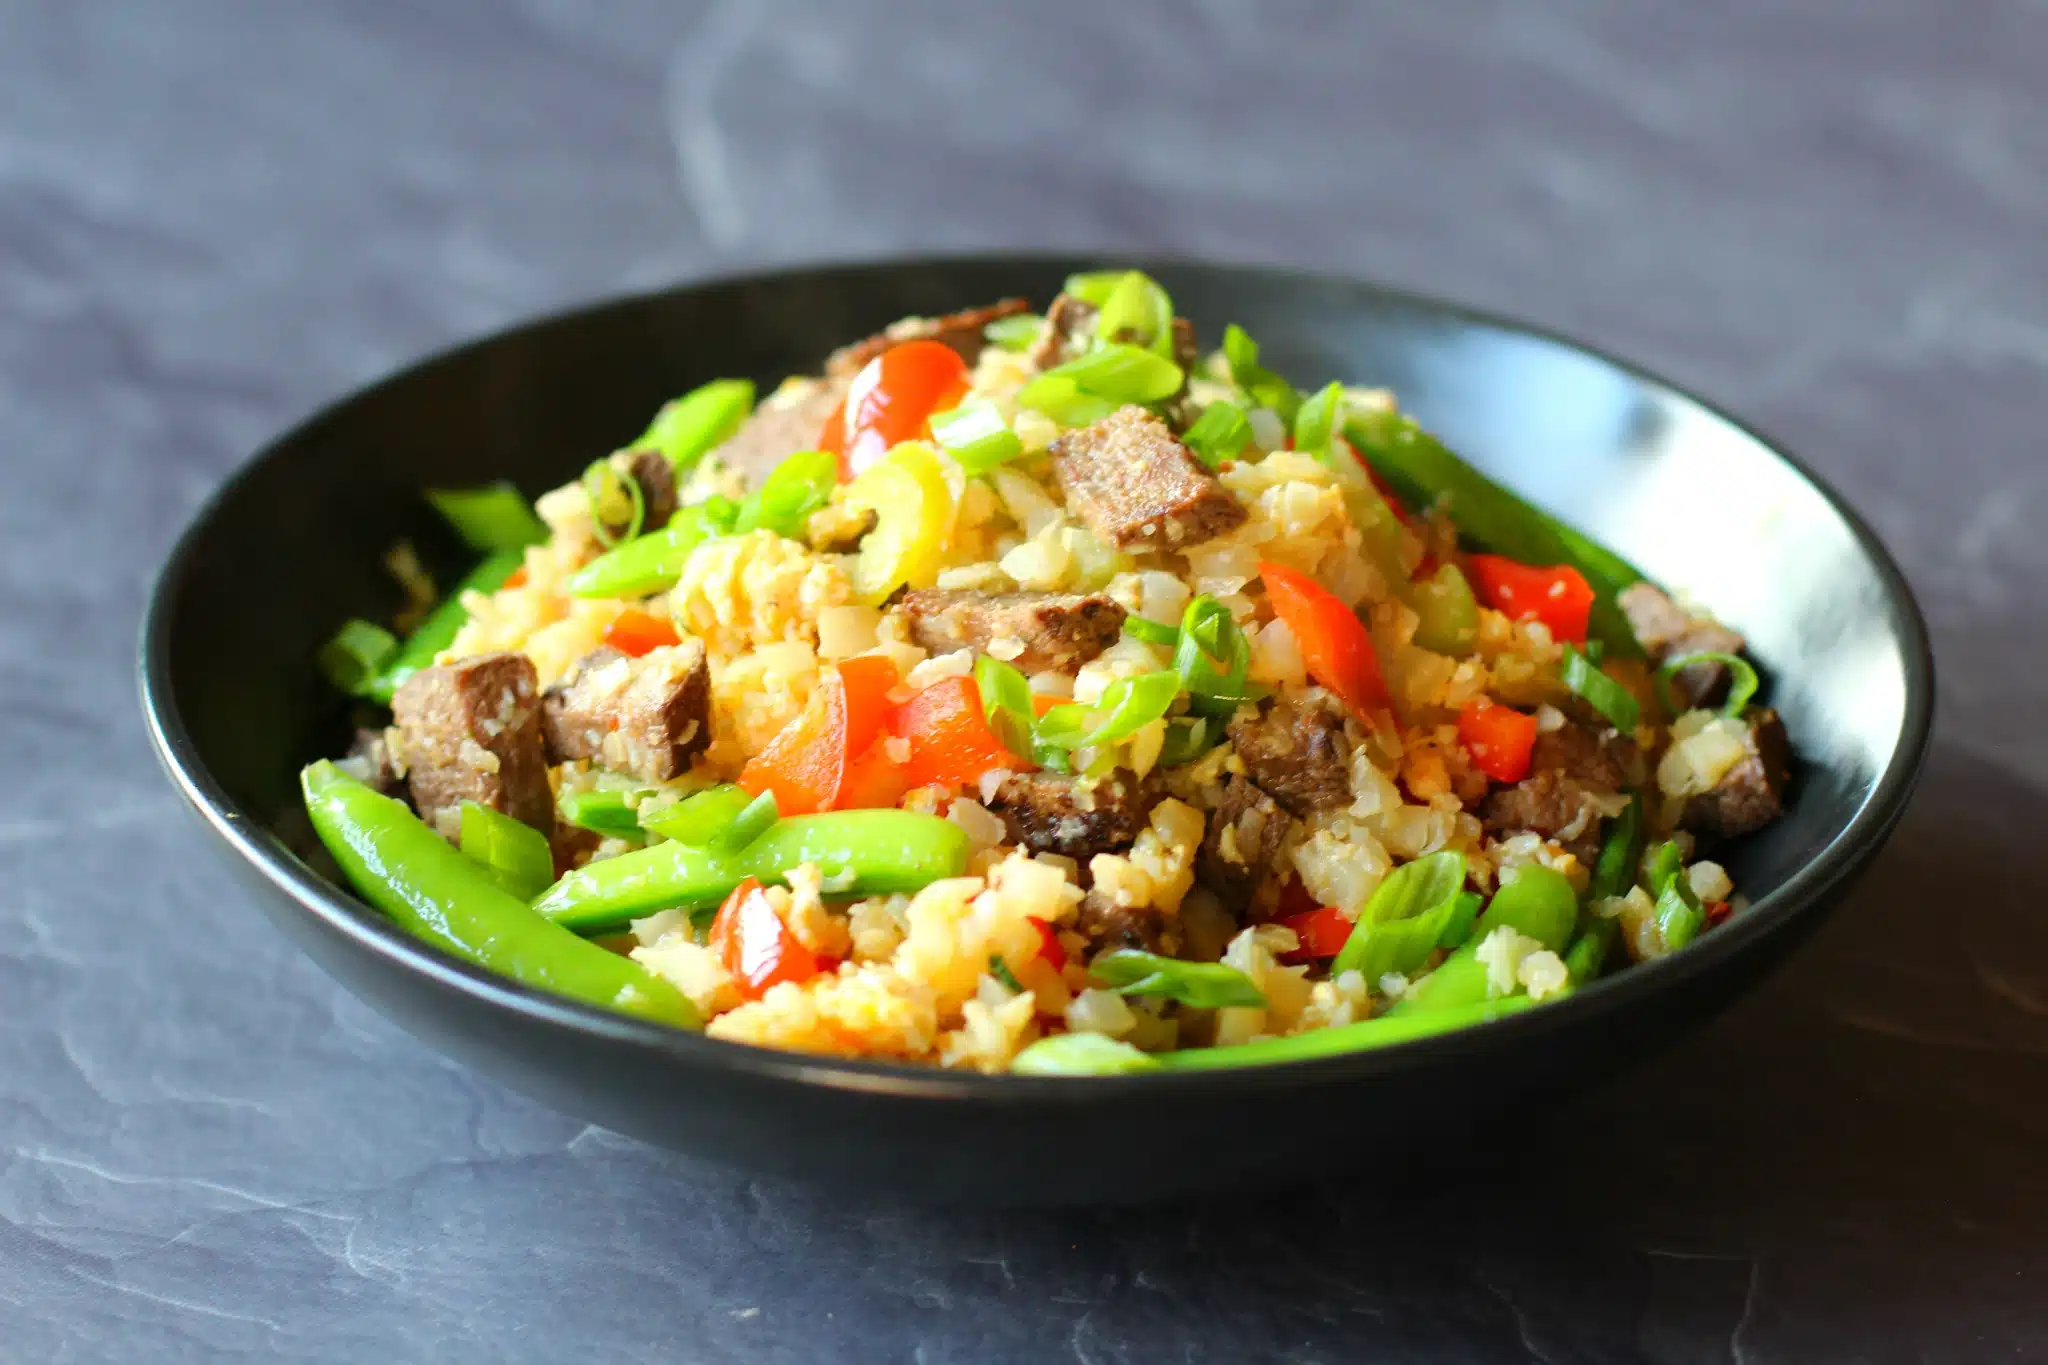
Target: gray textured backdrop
(214, 216)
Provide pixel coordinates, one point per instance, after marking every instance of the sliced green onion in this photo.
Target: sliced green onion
(1405, 917)
(603, 810)
(976, 436)
(699, 819)
(1152, 632)
(1260, 385)
(1742, 679)
(653, 562)
(1662, 866)
(1137, 310)
(1000, 970)
(1223, 706)
(1199, 985)
(1127, 706)
(441, 626)
(1620, 852)
(687, 427)
(1060, 398)
(1613, 701)
(602, 483)
(795, 488)
(1219, 434)
(1679, 914)
(760, 816)
(1093, 286)
(1005, 701)
(1315, 422)
(1114, 372)
(355, 654)
(1187, 739)
(515, 854)
(1051, 758)
(1212, 655)
(494, 517)
(1014, 333)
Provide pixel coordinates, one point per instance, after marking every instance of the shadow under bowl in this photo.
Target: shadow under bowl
(293, 544)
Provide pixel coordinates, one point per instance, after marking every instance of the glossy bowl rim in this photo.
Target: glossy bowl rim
(1804, 894)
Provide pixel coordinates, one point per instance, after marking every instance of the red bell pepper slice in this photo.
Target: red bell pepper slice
(1322, 932)
(1334, 642)
(1559, 596)
(892, 399)
(1500, 739)
(1049, 945)
(637, 633)
(951, 742)
(755, 945)
(807, 764)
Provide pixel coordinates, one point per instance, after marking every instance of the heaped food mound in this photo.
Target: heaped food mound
(1033, 693)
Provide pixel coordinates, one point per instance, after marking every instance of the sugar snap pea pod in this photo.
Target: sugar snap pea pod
(1613, 873)
(436, 894)
(1539, 902)
(1091, 1054)
(1422, 469)
(860, 853)
(439, 629)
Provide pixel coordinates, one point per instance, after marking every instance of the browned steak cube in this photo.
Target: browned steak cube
(646, 717)
(1668, 631)
(1752, 793)
(1295, 748)
(1036, 631)
(1109, 926)
(656, 479)
(962, 331)
(788, 420)
(1073, 816)
(1245, 835)
(369, 761)
(470, 730)
(1138, 487)
(1069, 326)
(1575, 774)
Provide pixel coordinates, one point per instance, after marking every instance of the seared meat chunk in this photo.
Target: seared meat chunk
(1575, 778)
(962, 331)
(647, 717)
(656, 479)
(1137, 486)
(1668, 631)
(470, 730)
(1058, 631)
(1069, 325)
(787, 421)
(1109, 926)
(1245, 834)
(1296, 751)
(1073, 816)
(1752, 793)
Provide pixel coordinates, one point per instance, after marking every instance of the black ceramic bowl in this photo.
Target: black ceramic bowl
(291, 546)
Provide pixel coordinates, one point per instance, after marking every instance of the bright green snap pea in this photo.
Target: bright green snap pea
(1539, 902)
(433, 892)
(860, 853)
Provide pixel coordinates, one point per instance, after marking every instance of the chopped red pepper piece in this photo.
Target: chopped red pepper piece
(807, 764)
(517, 579)
(1559, 596)
(1334, 642)
(1500, 739)
(950, 739)
(892, 399)
(1322, 931)
(636, 633)
(1049, 945)
(1717, 911)
(755, 945)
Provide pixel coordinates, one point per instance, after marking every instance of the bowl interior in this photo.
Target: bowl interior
(293, 544)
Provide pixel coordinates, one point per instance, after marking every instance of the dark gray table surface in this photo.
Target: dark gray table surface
(215, 216)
